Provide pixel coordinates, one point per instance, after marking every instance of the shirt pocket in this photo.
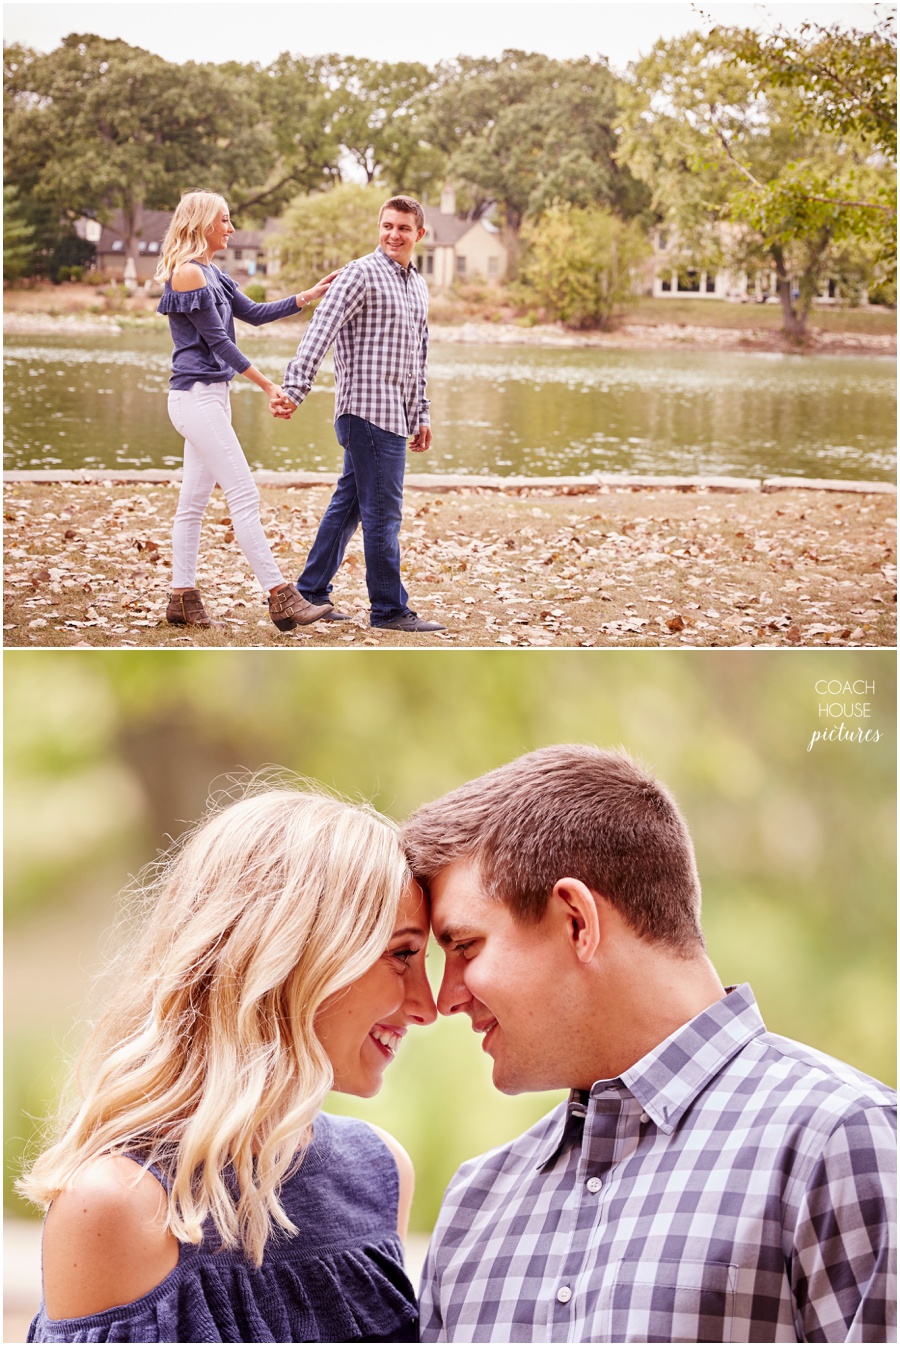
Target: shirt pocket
(672, 1300)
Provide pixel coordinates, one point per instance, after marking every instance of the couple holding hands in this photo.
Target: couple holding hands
(705, 1180)
(375, 312)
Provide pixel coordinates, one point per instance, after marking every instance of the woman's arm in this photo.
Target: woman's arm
(105, 1240)
(407, 1178)
(207, 322)
(257, 314)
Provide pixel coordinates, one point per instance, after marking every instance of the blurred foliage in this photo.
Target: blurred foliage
(106, 757)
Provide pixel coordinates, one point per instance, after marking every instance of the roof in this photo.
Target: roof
(154, 224)
(442, 231)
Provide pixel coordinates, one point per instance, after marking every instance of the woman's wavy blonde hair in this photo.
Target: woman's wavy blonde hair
(207, 1061)
(185, 237)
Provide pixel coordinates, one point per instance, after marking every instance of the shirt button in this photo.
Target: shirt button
(644, 1117)
(564, 1294)
(594, 1184)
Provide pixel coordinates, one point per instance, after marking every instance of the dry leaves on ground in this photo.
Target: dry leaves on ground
(89, 566)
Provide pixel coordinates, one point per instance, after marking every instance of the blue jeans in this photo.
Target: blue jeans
(370, 491)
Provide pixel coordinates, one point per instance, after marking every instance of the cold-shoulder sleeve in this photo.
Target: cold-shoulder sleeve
(199, 308)
(340, 1294)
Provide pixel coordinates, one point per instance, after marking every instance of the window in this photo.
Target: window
(689, 282)
(460, 266)
(666, 285)
(429, 264)
(662, 241)
(153, 247)
(493, 267)
(237, 254)
(710, 282)
(142, 247)
(118, 245)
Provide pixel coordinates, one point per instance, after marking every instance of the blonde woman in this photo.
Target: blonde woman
(201, 303)
(197, 1192)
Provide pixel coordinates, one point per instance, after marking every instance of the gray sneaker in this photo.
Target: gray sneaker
(410, 622)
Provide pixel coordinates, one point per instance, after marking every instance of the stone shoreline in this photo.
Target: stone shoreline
(440, 483)
(627, 336)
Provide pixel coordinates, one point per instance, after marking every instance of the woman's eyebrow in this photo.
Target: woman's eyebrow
(409, 930)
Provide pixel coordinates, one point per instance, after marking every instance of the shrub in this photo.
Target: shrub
(580, 263)
(256, 292)
(325, 230)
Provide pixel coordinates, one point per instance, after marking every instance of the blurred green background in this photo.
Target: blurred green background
(108, 755)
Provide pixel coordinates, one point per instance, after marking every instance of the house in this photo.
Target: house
(243, 258)
(455, 249)
(669, 276)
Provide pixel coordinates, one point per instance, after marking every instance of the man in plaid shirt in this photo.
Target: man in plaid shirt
(376, 314)
(706, 1180)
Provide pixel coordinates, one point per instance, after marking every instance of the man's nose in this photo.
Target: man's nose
(453, 996)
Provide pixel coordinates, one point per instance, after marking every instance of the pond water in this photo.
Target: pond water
(100, 402)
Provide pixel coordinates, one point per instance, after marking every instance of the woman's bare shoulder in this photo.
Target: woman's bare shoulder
(406, 1174)
(188, 276)
(106, 1241)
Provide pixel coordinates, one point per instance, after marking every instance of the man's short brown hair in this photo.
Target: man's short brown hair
(569, 811)
(408, 204)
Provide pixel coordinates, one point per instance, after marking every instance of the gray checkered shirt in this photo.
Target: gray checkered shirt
(376, 313)
(731, 1186)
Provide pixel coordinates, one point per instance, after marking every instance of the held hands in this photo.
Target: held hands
(421, 441)
(280, 405)
(316, 291)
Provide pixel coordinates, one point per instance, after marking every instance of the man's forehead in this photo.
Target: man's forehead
(398, 217)
(458, 898)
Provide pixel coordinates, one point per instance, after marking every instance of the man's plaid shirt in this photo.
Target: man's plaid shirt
(731, 1186)
(376, 313)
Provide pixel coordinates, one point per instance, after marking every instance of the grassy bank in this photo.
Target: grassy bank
(88, 566)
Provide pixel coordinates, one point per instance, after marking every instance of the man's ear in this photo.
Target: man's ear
(578, 906)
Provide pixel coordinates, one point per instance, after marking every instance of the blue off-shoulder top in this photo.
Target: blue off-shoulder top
(202, 326)
(340, 1278)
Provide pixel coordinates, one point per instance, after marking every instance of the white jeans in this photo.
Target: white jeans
(212, 454)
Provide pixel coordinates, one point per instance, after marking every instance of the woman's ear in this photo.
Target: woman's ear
(577, 906)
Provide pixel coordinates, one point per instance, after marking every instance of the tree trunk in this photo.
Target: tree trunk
(133, 223)
(793, 324)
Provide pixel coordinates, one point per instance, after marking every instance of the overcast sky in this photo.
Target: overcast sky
(419, 30)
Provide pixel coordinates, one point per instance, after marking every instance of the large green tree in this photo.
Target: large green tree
(97, 125)
(755, 170)
(375, 112)
(18, 237)
(524, 130)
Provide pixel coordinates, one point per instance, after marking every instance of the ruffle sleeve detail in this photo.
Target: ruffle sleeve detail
(339, 1295)
(186, 301)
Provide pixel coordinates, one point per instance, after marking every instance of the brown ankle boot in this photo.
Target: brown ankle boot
(289, 609)
(186, 609)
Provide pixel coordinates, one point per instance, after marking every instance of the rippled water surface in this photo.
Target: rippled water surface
(100, 401)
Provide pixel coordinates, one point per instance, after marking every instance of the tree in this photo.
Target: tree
(321, 232)
(525, 130)
(18, 238)
(580, 262)
(745, 172)
(97, 125)
(375, 112)
(301, 151)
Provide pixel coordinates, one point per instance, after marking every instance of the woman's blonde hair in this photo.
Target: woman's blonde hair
(185, 238)
(207, 1062)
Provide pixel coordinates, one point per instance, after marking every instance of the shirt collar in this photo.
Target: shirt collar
(390, 263)
(667, 1080)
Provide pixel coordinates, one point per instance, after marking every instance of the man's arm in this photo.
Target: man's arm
(844, 1260)
(343, 301)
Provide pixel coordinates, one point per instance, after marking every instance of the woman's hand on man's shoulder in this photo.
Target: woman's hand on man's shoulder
(188, 277)
(106, 1242)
